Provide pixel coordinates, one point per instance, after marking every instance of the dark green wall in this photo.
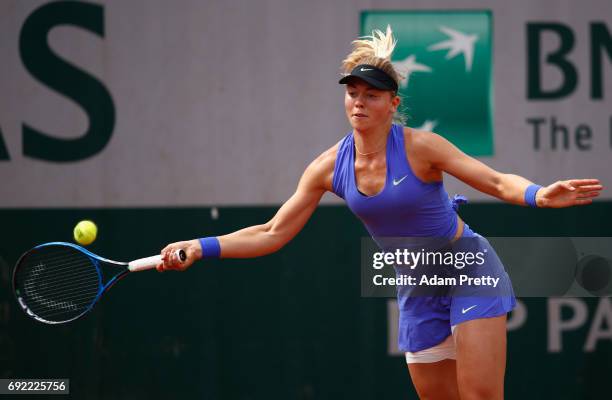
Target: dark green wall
(288, 326)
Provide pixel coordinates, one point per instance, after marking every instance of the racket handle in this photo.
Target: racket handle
(143, 264)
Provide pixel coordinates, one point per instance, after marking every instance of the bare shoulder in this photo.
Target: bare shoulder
(321, 169)
(427, 146)
(433, 148)
(422, 141)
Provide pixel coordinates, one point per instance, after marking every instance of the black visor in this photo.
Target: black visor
(371, 75)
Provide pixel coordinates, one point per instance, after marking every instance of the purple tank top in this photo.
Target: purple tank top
(406, 206)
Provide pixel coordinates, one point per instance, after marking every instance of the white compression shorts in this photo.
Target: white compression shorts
(443, 351)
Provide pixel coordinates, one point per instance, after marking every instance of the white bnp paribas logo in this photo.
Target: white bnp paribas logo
(459, 43)
(408, 66)
(445, 58)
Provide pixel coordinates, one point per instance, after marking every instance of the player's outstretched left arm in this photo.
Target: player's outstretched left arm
(511, 188)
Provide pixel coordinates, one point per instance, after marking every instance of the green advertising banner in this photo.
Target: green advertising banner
(291, 325)
(447, 60)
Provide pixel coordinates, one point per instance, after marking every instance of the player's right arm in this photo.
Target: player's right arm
(260, 240)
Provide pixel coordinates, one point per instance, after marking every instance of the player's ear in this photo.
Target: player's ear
(395, 101)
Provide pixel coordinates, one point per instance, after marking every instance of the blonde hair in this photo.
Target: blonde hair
(375, 50)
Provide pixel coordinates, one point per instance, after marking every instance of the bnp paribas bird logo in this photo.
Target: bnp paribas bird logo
(446, 58)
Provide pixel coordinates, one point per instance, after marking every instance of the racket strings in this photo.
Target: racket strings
(85, 292)
(60, 278)
(41, 303)
(57, 283)
(47, 275)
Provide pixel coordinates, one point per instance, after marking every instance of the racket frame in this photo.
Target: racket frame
(94, 258)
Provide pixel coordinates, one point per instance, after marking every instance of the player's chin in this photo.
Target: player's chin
(359, 122)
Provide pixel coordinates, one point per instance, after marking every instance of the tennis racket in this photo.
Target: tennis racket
(59, 282)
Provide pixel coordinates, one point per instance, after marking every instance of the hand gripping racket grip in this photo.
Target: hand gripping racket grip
(151, 262)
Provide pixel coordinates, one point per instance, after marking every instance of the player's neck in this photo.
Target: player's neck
(371, 141)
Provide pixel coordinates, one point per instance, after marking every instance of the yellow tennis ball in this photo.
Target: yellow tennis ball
(85, 232)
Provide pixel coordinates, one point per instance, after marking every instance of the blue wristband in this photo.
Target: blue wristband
(530, 194)
(210, 247)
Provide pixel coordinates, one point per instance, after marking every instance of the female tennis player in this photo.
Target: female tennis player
(391, 178)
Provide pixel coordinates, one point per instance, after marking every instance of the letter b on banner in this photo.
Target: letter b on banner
(601, 42)
(556, 58)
